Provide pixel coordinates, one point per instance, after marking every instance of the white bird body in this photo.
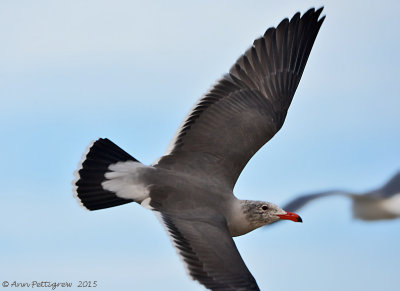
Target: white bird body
(369, 207)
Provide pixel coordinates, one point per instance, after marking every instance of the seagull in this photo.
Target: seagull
(190, 188)
(380, 204)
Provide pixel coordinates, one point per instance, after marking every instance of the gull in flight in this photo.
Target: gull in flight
(380, 204)
(190, 188)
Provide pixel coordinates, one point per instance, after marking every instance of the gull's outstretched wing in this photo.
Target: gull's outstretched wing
(301, 201)
(248, 106)
(392, 187)
(209, 252)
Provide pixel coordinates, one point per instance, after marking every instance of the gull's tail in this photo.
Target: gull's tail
(98, 179)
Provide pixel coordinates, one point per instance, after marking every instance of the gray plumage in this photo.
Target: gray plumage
(191, 187)
(379, 204)
(248, 106)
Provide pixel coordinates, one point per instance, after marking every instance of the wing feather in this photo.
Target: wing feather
(209, 253)
(248, 106)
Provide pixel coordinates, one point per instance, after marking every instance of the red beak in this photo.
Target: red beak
(290, 216)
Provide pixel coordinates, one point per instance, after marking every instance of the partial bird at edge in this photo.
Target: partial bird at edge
(382, 203)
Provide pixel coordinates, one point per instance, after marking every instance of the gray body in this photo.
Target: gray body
(176, 193)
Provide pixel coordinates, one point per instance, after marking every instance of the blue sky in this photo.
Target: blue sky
(72, 71)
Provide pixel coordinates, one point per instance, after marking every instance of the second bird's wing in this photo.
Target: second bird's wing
(302, 200)
(391, 188)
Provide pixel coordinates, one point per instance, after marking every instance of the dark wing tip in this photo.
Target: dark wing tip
(312, 11)
(296, 16)
(392, 186)
(319, 10)
(269, 31)
(283, 23)
(321, 20)
(308, 12)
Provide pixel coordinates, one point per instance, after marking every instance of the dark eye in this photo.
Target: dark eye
(264, 207)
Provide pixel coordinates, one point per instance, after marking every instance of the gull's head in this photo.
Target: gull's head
(261, 213)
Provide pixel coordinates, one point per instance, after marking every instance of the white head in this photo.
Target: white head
(260, 213)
